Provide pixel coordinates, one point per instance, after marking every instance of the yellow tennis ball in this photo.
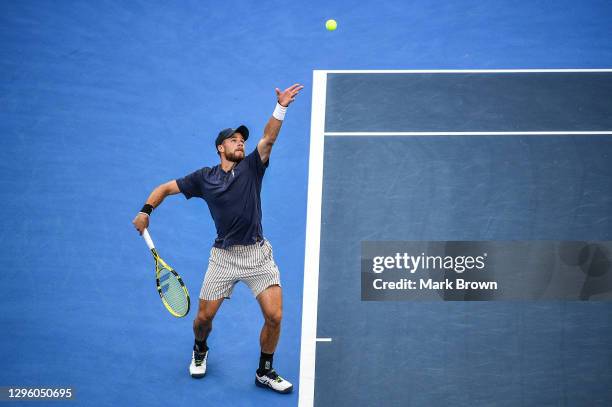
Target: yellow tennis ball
(331, 25)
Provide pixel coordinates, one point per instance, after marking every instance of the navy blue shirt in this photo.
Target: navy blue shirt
(233, 199)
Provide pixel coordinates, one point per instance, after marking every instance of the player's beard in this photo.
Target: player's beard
(235, 158)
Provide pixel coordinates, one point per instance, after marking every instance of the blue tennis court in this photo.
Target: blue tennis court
(103, 101)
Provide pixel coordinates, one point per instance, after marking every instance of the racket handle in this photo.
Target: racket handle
(147, 238)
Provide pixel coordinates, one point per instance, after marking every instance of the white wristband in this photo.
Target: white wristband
(279, 112)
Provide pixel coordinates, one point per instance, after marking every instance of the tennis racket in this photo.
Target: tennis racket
(170, 285)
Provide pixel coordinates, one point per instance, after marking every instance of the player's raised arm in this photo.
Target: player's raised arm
(141, 221)
(285, 98)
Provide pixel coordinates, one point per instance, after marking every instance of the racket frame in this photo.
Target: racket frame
(159, 261)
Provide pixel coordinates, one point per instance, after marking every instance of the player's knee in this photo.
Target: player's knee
(274, 318)
(204, 318)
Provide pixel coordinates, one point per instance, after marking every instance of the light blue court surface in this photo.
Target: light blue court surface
(101, 101)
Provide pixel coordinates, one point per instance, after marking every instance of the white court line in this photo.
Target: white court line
(467, 70)
(467, 133)
(313, 235)
(324, 339)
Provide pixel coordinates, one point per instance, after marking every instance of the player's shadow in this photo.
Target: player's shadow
(594, 261)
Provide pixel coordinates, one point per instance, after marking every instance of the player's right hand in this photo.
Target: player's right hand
(141, 222)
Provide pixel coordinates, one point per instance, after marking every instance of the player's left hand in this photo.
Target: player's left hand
(286, 97)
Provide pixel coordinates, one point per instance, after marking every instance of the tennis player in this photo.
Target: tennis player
(240, 252)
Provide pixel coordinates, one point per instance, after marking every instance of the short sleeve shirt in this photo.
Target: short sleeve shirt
(233, 198)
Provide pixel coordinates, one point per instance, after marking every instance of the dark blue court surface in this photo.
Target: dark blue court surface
(460, 187)
(101, 101)
(468, 102)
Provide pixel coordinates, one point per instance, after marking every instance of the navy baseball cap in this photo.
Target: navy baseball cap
(227, 133)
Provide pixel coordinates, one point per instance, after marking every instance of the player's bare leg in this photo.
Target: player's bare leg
(271, 303)
(202, 326)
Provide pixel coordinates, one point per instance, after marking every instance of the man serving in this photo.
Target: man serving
(240, 252)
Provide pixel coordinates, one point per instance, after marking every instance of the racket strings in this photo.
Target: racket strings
(172, 292)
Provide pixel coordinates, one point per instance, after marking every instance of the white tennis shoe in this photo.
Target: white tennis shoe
(197, 369)
(273, 381)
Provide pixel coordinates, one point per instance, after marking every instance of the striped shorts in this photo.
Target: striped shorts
(252, 264)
